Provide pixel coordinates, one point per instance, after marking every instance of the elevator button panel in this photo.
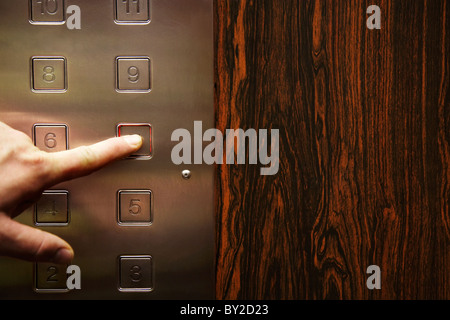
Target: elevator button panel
(75, 72)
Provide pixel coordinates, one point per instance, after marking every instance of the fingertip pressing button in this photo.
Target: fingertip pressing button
(142, 129)
(133, 140)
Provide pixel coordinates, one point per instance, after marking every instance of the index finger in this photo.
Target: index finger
(82, 161)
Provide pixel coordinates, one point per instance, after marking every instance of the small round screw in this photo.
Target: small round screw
(186, 174)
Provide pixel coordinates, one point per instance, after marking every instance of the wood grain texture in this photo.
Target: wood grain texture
(364, 119)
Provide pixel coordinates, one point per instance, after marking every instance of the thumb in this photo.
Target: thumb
(24, 242)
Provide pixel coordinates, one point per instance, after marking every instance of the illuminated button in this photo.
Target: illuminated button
(133, 74)
(135, 273)
(52, 208)
(132, 11)
(145, 131)
(50, 277)
(47, 11)
(48, 74)
(50, 138)
(135, 207)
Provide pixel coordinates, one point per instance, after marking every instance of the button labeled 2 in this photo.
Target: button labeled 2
(50, 277)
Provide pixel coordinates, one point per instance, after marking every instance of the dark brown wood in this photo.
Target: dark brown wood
(364, 119)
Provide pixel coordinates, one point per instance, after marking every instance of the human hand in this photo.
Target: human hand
(26, 171)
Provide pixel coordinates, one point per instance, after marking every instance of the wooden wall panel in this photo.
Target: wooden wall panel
(364, 120)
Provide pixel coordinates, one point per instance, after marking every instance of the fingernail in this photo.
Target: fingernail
(63, 256)
(133, 140)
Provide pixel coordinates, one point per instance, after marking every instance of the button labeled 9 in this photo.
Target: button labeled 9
(133, 74)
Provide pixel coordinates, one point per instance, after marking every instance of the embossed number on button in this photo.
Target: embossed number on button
(133, 74)
(48, 74)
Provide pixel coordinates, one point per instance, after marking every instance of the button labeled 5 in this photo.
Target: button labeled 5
(135, 207)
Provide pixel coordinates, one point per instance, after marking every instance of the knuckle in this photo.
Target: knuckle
(37, 161)
(34, 159)
(37, 164)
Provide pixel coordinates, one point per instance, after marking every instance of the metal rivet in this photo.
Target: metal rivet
(186, 174)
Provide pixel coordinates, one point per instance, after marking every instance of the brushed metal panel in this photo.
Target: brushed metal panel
(179, 43)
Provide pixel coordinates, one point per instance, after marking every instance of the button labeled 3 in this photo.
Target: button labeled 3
(135, 274)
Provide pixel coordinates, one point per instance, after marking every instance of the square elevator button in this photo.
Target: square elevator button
(48, 74)
(132, 11)
(133, 74)
(135, 207)
(145, 131)
(135, 273)
(51, 137)
(47, 11)
(50, 277)
(52, 208)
